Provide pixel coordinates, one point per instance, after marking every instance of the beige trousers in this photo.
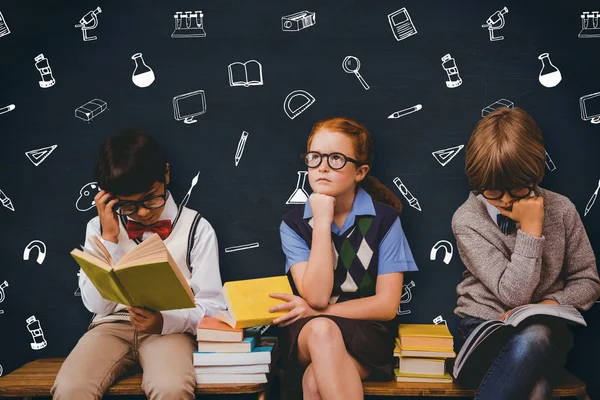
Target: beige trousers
(110, 350)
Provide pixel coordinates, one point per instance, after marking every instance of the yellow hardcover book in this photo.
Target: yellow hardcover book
(428, 352)
(147, 276)
(248, 301)
(406, 377)
(425, 335)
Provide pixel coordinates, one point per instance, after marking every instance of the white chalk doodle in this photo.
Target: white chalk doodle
(78, 290)
(592, 200)
(240, 147)
(189, 24)
(3, 285)
(299, 196)
(85, 201)
(39, 155)
(241, 247)
(406, 111)
(449, 65)
(412, 200)
(298, 108)
(549, 162)
(444, 156)
(43, 67)
(406, 297)
(6, 202)
(448, 251)
(245, 74)
(3, 26)
(91, 109)
(495, 22)
(401, 24)
(89, 22)
(40, 246)
(439, 319)
(34, 327)
(550, 76)
(589, 106)
(8, 108)
(298, 21)
(496, 105)
(590, 25)
(189, 105)
(186, 198)
(143, 75)
(351, 65)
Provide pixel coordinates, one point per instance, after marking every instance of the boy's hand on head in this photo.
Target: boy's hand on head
(530, 213)
(322, 207)
(146, 321)
(108, 218)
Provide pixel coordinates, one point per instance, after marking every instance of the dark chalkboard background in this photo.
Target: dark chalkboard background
(245, 203)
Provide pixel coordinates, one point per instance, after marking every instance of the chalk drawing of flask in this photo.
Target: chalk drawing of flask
(142, 76)
(549, 75)
(299, 196)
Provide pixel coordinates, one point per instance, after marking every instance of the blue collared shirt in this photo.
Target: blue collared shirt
(394, 251)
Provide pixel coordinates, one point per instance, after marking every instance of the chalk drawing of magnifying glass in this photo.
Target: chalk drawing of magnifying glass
(447, 246)
(351, 65)
(41, 251)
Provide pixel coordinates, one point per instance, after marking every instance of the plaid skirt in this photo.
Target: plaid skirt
(371, 343)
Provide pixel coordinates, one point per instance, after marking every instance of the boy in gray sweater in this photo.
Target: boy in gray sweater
(521, 244)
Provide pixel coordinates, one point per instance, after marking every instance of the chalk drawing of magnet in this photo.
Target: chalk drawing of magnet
(297, 102)
(41, 251)
(447, 246)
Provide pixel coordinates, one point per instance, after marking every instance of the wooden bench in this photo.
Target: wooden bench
(37, 377)
(569, 386)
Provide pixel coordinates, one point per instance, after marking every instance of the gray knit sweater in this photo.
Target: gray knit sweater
(505, 271)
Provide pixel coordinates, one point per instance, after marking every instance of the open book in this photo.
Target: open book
(490, 336)
(245, 74)
(147, 276)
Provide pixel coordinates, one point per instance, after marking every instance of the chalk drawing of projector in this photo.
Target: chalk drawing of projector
(41, 251)
(34, 327)
(447, 246)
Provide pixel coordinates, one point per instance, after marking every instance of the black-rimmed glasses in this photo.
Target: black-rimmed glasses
(335, 160)
(517, 193)
(150, 203)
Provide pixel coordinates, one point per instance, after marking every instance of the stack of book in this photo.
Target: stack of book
(231, 348)
(229, 355)
(422, 351)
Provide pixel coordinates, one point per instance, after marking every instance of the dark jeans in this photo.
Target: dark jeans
(528, 364)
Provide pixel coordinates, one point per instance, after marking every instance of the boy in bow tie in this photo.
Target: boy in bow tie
(521, 244)
(133, 204)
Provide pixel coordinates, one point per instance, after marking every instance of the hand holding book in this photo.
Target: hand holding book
(547, 301)
(296, 307)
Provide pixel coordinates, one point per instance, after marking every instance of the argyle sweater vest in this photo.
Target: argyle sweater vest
(356, 251)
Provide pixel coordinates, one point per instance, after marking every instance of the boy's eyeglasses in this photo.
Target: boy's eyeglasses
(335, 160)
(150, 203)
(517, 193)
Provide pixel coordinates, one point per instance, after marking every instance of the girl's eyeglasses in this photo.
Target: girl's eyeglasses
(335, 160)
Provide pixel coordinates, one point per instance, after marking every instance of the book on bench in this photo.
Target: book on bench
(486, 340)
(146, 276)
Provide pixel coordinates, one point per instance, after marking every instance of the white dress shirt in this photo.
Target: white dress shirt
(205, 280)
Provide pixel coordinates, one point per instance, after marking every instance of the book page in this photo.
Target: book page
(253, 72)
(100, 276)
(566, 312)
(237, 74)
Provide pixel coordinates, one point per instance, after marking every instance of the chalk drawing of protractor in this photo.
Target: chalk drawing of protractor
(294, 112)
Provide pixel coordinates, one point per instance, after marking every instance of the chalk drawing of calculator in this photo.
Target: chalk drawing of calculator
(401, 24)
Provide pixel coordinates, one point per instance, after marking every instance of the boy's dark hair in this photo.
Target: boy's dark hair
(129, 163)
(506, 150)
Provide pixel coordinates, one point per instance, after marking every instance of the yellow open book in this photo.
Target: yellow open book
(147, 276)
(248, 301)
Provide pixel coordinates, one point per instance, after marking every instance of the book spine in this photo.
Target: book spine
(128, 301)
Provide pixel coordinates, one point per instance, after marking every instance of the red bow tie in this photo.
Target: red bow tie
(136, 230)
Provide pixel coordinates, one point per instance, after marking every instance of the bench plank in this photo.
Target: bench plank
(37, 377)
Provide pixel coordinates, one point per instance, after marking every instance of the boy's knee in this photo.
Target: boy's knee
(73, 388)
(168, 387)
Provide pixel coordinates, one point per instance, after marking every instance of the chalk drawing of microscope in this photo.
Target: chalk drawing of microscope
(406, 297)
